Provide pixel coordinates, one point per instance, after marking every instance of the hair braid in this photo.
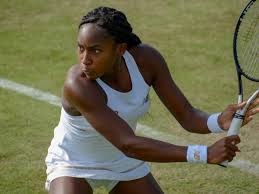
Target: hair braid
(115, 22)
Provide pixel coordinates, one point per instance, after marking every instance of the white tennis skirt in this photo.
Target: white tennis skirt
(87, 154)
(56, 171)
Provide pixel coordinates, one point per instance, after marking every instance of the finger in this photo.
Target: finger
(254, 104)
(230, 157)
(233, 138)
(256, 101)
(231, 154)
(235, 107)
(241, 105)
(252, 111)
(232, 147)
(247, 120)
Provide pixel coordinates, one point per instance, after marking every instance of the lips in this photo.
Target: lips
(90, 74)
(87, 71)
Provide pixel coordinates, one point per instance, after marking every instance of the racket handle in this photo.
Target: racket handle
(235, 124)
(238, 120)
(252, 98)
(234, 130)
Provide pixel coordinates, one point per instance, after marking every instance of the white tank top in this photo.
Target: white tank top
(77, 145)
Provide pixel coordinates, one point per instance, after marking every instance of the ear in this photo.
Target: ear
(122, 47)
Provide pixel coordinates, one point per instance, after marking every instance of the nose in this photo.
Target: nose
(86, 59)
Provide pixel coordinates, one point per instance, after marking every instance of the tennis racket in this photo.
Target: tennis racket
(246, 56)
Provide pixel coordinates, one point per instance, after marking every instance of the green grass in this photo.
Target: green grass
(37, 46)
(26, 130)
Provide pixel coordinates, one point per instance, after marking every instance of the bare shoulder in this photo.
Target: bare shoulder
(80, 92)
(75, 78)
(146, 54)
(149, 61)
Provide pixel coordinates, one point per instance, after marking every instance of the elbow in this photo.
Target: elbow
(129, 146)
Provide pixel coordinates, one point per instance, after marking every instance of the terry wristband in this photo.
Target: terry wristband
(197, 154)
(213, 125)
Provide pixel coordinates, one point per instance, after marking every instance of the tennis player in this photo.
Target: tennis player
(104, 96)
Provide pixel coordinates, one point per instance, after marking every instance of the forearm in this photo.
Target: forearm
(195, 121)
(151, 150)
(191, 119)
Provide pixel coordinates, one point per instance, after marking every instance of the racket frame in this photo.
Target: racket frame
(239, 115)
(238, 67)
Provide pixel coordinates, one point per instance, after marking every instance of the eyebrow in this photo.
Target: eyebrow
(93, 46)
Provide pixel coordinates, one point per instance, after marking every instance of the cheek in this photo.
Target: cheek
(109, 63)
(101, 66)
(104, 61)
(79, 56)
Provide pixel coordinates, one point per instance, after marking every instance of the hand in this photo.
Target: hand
(227, 115)
(222, 150)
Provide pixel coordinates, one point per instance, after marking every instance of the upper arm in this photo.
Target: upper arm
(88, 100)
(165, 87)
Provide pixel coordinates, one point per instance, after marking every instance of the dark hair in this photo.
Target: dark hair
(114, 22)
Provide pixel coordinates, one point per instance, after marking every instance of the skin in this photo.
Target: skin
(100, 57)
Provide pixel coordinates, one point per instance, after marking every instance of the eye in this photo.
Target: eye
(81, 49)
(97, 51)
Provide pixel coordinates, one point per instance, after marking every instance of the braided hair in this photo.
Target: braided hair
(114, 22)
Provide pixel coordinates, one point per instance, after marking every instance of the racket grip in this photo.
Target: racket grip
(235, 124)
(234, 130)
(238, 120)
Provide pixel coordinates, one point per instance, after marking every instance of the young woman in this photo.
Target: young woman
(104, 95)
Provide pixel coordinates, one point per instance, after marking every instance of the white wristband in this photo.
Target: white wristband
(213, 125)
(197, 154)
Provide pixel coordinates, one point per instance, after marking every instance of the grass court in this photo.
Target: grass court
(38, 45)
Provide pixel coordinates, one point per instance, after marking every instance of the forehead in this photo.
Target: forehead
(92, 34)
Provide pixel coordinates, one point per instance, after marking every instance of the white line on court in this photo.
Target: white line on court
(244, 165)
(29, 91)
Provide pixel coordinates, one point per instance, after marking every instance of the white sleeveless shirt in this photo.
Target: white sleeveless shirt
(78, 150)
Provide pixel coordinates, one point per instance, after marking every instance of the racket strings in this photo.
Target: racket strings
(253, 58)
(248, 43)
(249, 60)
(250, 31)
(254, 54)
